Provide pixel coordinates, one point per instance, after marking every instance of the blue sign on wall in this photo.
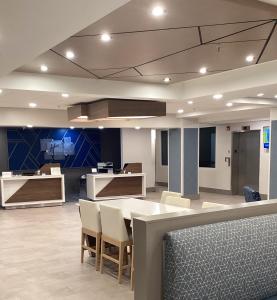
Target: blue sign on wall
(29, 149)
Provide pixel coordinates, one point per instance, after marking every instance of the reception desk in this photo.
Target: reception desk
(18, 191)
(115, 186)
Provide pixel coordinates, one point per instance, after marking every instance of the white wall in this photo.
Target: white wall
(220, 177)
(139, 146)
(161, 171)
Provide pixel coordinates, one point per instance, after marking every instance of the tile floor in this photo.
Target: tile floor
(40, 255)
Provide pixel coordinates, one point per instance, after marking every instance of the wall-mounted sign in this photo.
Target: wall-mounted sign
(266, 137)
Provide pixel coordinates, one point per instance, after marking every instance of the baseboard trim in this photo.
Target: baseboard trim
(158, 183)
(151, 189)
(216, 191)
(192, 197)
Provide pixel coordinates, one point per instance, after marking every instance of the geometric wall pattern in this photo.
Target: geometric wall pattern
(24, 147)
(229, 260)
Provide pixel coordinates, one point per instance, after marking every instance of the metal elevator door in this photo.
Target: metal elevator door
(245, 161)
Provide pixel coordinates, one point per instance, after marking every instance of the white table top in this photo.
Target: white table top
(108, 175)
(22, 177)
(143, 207)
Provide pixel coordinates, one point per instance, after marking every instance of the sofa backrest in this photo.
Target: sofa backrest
(227, 260)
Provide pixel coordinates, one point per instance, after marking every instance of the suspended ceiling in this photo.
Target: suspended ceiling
(217, 34)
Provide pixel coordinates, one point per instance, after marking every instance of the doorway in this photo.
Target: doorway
(245, 161)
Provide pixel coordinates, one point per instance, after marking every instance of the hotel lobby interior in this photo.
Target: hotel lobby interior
(138, 149)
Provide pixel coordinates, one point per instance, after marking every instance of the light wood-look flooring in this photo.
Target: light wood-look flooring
(40, 258)
(40, 255)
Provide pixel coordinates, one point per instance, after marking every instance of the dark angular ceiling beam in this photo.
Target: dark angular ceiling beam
(267, 41)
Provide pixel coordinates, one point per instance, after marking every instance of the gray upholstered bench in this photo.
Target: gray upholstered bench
(232, 260)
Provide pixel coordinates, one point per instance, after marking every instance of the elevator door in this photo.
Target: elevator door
(245, 161)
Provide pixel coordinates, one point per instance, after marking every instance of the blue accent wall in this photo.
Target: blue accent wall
(25, 153)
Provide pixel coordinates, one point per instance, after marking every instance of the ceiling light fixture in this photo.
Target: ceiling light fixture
(249, 58)
(275, 96)
(167, 79)
(65, 95)
(190, 102)
(180, 111)
(69, 54)
(105, 37)
(137, 127)
(101, 127)
(71, 127)
(158, 11)
(218, 96)
(32, 104)
(29, 126)
(83, 117)
(260, 95)
(203, 70)
(1, 91)
(43, 68)
(229, 104)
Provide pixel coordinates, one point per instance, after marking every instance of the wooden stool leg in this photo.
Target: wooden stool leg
(97, 254)
(82, 248)
(120, 264)
(101, 256)
(132, 269)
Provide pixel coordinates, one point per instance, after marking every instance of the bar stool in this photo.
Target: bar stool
(165, 194)
(114, 232)
(177, 201)
(91, 227)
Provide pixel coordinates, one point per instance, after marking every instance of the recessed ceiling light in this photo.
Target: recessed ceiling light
(203, 70)
(71, 127)
(101, 127)
(69, 54)
(65, 95)
(30, 126)
(137, 127)
(43, 68)
(105, 37)
(218, 96)
(180, 111)
(249, 58)
(158, 11)
(167, 79)
(260, 95)
(83, 117)
(32, 104)
(190, 102)
(229, 104)
(275, 96)
(1, 91)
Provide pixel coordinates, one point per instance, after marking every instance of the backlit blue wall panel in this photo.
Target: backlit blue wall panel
(25, 151)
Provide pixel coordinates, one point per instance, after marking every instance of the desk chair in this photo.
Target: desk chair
(251, 195)
(114, 232)
(91, 227)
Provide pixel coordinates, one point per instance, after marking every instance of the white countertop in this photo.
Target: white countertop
(31, 177)
(143, 207)
(107, 175)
